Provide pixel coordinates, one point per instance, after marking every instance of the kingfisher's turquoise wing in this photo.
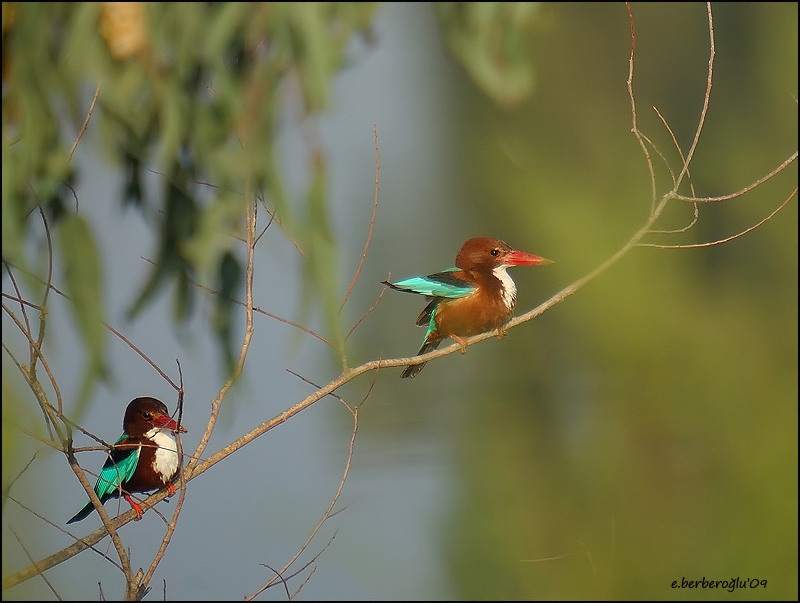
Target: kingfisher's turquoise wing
(118, 468)
(441, 284)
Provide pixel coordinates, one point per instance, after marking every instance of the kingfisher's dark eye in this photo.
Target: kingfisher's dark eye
(495, 252)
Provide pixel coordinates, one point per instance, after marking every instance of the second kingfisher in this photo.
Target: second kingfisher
(144, 458)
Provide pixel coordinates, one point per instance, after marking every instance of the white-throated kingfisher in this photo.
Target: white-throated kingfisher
(144, 458)
(476, 296)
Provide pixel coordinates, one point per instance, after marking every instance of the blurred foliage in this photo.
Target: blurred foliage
(84, 284)
(198, 92)
(194, 91)
(490, 40)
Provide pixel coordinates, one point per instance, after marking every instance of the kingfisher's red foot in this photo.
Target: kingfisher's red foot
(460, 341)
(135, 506)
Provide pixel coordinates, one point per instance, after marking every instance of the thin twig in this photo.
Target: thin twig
(372, 218)
(85, 122)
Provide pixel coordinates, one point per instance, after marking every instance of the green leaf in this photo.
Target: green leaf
(488, 39)
(84, 284)
(320, 272)
(229, 280)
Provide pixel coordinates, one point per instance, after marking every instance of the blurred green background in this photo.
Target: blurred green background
(645, 429)
(641, 432)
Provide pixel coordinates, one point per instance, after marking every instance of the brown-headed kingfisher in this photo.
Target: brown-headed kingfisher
(476, 296)
(144, 458)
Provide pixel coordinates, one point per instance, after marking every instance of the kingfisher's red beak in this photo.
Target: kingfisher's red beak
(520, 258)
(166, 422)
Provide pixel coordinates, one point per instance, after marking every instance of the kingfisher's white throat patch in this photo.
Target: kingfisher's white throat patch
(166, 463)
(507, 286)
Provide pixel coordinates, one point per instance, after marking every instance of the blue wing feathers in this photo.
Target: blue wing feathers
(441, 284)
(117, 469)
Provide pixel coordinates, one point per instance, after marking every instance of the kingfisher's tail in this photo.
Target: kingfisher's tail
(83, 513)
(413, 369)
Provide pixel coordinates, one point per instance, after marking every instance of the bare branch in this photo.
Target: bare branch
(791, 159)
(730, 238)
(706, 100)
(372, 218)
(85, 123)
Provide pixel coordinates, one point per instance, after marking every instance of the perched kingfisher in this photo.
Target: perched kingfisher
(476, 296)
(144, 458)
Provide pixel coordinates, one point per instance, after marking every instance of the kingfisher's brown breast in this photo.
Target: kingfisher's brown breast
(146, 478)
(475, 313)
